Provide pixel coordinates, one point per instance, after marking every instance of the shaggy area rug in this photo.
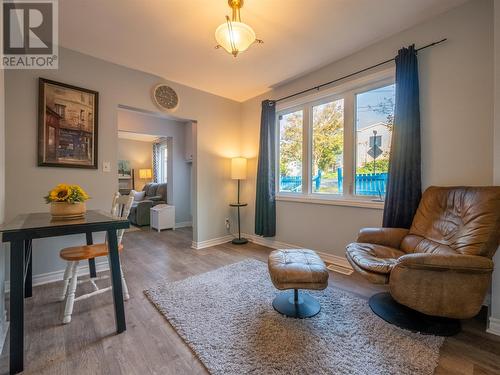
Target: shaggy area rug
(227, 319)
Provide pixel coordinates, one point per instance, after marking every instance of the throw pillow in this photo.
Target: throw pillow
(139, 195)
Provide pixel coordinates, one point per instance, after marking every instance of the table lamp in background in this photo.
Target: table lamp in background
(145, 174)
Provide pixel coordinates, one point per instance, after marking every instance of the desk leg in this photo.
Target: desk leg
(92, 270)
(116, 278)
(28, 256)
(16, 306)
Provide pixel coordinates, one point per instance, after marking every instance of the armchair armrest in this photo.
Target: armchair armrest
(155, 198)
(144, 206)
(446, 262)
(447, 285)
(390, 237)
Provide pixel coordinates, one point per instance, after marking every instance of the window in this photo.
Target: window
(327, 147)
(336, 144)
(290, 151)
(163, 164)
(374, 120)
(61, 110)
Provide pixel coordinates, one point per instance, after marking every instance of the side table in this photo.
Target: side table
(239, 240)
(162, 216)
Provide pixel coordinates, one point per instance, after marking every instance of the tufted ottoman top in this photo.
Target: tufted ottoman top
(297, 269)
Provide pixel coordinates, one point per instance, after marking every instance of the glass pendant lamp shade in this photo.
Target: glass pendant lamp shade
(234, 37)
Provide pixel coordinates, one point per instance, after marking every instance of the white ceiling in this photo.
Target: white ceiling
(175, 38)
(137, 136)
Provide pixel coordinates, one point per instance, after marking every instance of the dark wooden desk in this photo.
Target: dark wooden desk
(20, 232)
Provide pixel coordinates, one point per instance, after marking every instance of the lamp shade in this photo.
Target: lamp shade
(234, 37)
(145, 173)
(238, 168)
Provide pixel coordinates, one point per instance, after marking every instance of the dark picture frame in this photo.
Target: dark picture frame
(67, 125)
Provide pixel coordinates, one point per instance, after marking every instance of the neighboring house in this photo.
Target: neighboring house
(365, 139)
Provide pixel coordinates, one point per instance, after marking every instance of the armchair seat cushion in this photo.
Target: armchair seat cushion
(372, 257)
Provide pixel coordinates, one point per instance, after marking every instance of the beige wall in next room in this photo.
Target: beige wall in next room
(139, 154)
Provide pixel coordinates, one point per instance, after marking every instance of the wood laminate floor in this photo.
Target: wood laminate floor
(89, 345)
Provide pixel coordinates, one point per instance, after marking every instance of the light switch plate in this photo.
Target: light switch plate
(106, 166)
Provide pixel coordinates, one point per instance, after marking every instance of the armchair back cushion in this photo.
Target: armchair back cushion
(456, 220)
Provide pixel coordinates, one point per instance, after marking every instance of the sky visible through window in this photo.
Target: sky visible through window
(371, 105)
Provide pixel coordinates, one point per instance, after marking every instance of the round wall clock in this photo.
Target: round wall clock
(165, 97)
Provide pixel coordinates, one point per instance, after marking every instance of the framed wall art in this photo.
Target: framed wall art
(67, 125)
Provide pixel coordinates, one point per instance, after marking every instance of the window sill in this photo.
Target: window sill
(340, 201)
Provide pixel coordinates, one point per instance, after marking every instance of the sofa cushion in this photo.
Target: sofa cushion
(373, 258)
(162, 191)
(150, 189)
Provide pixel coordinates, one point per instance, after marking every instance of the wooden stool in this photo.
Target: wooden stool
(73, 255)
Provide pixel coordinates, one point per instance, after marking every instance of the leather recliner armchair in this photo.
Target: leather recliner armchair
(442, 265)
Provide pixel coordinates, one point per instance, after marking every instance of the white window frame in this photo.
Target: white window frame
(163, 151)
(348, 92)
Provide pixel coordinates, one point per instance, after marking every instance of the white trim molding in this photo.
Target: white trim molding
(274, 244)
(183, 224)
(340, 201)
(213, 242)
(494, 326)
(51, 277)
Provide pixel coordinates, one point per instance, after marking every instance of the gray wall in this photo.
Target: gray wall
(26, 184)
(456, 115)
(179, 180)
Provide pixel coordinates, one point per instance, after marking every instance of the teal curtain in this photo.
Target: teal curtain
(404, 186)
(265, 204)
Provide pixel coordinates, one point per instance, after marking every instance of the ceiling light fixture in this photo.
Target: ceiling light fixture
(233, 35)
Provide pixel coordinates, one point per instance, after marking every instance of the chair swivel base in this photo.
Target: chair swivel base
(295, 305)
(383, 305)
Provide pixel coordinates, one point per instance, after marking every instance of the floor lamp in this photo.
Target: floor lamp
(239, 172)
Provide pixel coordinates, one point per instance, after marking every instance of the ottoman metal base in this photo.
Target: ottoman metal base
(295, 305)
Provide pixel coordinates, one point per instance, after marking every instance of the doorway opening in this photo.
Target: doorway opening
(155, 160)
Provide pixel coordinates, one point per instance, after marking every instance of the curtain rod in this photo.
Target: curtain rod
(353, 74)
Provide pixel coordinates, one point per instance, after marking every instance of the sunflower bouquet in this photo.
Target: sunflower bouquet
(67, 193)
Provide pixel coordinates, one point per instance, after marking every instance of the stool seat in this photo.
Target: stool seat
(297, 269)
(85, 252)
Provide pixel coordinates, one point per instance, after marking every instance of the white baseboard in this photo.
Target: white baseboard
(274, 244)
(50, 277)
(213, 242)
(494, 326)
(183, 224)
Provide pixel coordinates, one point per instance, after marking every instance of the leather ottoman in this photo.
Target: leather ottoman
(297, 269)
